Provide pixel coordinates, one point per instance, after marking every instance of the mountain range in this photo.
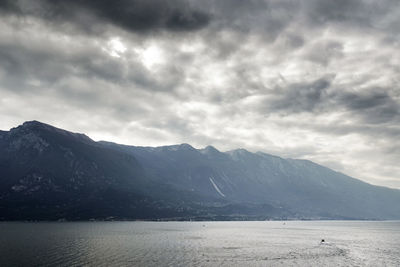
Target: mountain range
(47, 173)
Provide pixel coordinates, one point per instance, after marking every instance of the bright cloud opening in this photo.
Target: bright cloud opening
(151, 56)
(115, 47)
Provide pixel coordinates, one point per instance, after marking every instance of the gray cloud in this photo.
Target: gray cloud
(337, 11)
(9, 6)
(300, 97)
(324, 51)
(374, 105)
(310, 79)
(371, 105)
(357, 13)
(138, 15)
(20, 63)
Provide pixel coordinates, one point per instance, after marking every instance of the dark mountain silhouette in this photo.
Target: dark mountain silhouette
(48, 173)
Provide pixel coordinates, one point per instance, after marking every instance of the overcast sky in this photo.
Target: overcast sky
(312, 79)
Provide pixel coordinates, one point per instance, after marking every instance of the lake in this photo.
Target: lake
(269, 243)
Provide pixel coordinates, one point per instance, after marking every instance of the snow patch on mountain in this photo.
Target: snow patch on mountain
(216, 187)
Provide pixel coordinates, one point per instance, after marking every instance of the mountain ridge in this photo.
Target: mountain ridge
(50, 173)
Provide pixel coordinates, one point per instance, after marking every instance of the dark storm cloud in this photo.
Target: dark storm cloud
(9, 6)
(270, 17)
(342, 128)
(303, 97)
(267, 19)
(298, 97)
(336, 10)
(20, 63)
(370, 106)
(305, 78)
(373, 106)
(131, 15)
(357, 13)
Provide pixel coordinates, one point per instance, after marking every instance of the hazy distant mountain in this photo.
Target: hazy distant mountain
(49, 173)
(302, 186)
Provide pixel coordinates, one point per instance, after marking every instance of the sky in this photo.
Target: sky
(309, 79)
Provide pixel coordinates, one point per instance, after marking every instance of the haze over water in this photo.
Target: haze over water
(273, 243)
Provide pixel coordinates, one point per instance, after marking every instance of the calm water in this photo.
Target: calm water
(200, 244)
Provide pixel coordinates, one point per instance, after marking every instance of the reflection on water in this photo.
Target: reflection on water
(200, 243)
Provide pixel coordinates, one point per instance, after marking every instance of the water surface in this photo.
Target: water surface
(293, 243)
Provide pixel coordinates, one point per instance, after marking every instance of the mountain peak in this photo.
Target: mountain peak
(266, 155)
(210, 150)
(34, 123)
(239, 151)
(180, 147)
(186, 146)
(40, 127)
(53, 166)
(29, 127)
(241, 154)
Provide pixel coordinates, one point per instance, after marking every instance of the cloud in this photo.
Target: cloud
(300, 97)
(337, 11)
(374, 105)
(137, 15)
(307, 79)
(7, 6)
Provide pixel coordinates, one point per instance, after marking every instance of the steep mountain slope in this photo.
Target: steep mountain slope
(307, 188)
(49, 173)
